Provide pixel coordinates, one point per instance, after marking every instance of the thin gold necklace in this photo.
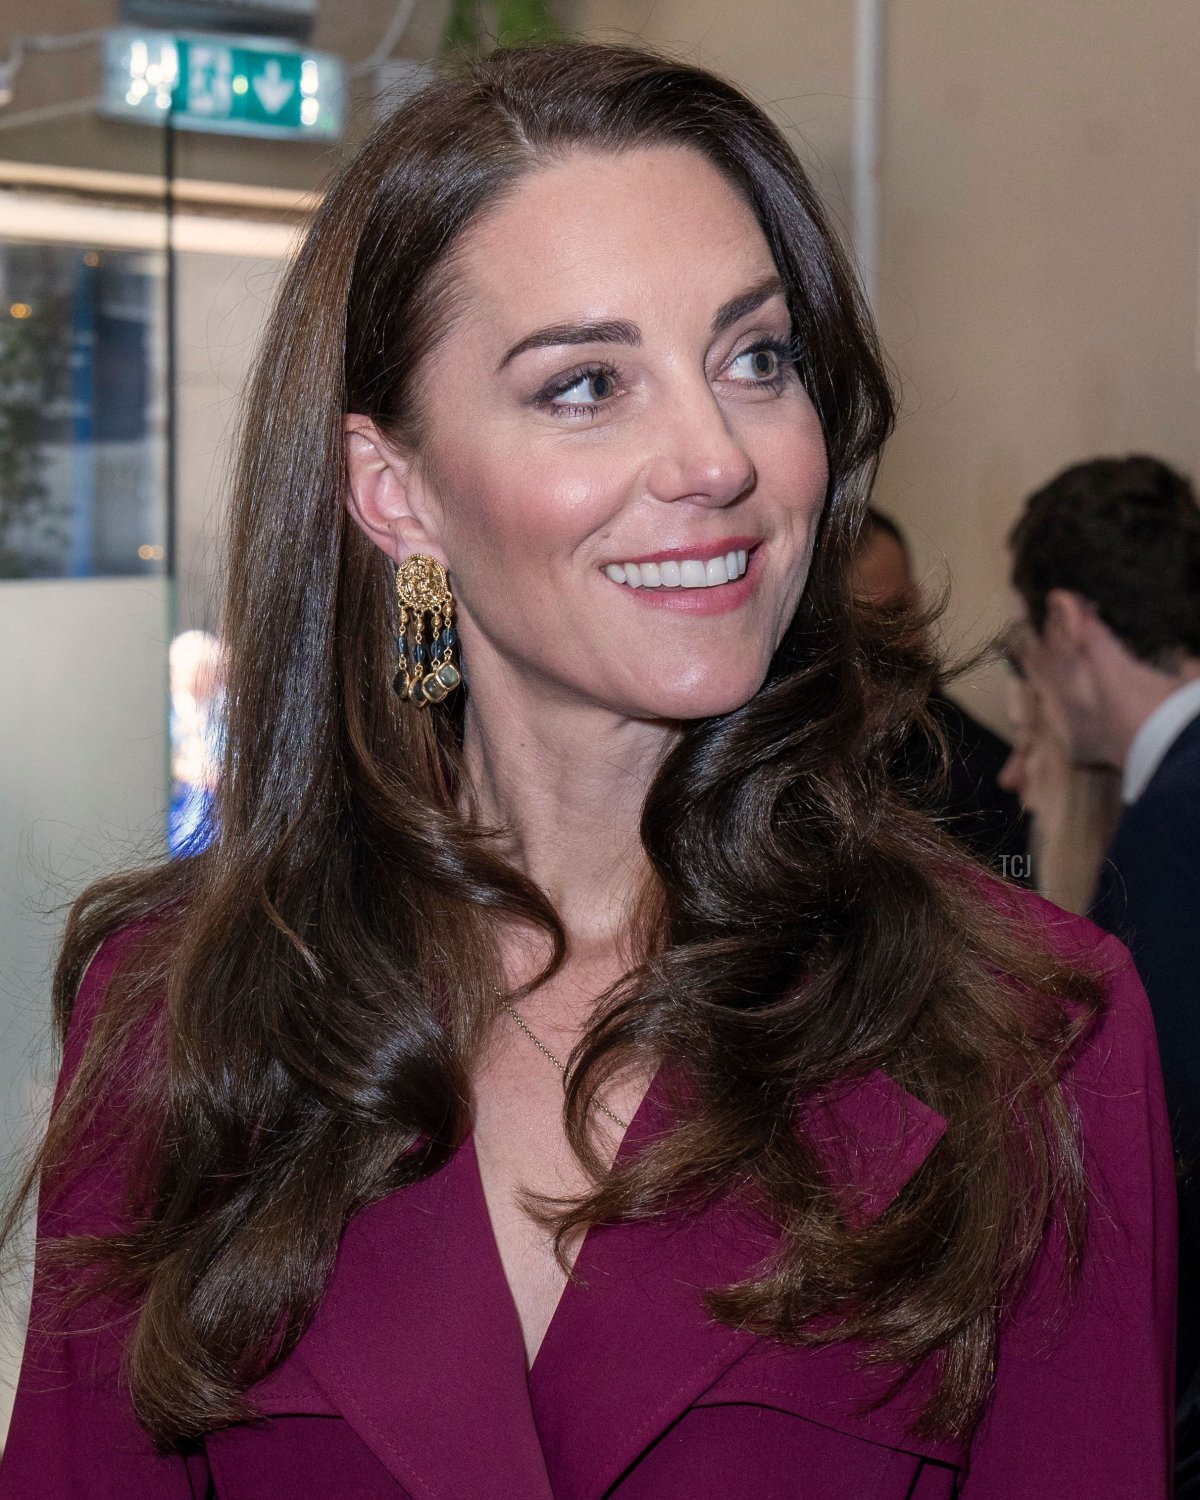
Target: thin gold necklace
(562, 1067)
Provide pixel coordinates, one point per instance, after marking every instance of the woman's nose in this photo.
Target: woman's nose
(699, 455)
(1011, 776)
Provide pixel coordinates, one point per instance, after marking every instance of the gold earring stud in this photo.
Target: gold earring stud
(425, 633)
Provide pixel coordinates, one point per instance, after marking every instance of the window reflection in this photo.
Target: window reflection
(81, 440)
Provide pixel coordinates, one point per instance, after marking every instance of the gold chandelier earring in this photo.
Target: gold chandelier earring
(425, 633)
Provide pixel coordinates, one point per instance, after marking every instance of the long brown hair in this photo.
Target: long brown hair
(806, 927)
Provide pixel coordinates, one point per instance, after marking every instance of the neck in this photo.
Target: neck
(566, 782)
(1134, 697)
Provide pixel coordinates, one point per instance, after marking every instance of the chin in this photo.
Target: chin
(705, 695)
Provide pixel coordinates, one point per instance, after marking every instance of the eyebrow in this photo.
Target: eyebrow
(620, 332)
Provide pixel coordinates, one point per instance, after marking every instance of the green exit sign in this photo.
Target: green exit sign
(233, 85)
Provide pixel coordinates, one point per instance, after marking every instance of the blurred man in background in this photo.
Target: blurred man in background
(1106, 561)
(970, 803)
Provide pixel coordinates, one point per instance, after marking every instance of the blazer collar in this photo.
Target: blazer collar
(417, 1342)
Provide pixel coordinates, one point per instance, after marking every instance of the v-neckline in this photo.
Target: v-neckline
(417, 1341)
(634, 1131)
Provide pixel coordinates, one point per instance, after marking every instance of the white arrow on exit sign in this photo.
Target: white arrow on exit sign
(233, 85)
(272, 88)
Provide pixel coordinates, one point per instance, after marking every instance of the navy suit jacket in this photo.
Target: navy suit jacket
(1149, 895)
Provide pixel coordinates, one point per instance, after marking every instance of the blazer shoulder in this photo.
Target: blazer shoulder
(1120, 1051)
(118, 952)
(1073, 938)
(1121, 1034)
(1124, 1016)
(115, 951)
(110, 1135)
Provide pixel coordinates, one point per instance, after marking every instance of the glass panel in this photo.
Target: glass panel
(81, 412)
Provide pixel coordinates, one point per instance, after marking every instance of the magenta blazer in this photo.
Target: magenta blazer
(411, 1383)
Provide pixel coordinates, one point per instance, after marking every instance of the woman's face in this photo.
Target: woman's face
(1015, 774)
(1035, 766)
(611, 419)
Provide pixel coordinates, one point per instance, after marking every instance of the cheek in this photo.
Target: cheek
(791, 465)
(516, 510)
(1039, 779)
(792, 471)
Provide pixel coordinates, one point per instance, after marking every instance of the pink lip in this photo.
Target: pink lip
(719, 600)
(702, 552)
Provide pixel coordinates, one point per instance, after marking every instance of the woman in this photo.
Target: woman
(813, 1217)
(1073, 809)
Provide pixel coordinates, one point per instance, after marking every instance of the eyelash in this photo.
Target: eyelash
(786, 349)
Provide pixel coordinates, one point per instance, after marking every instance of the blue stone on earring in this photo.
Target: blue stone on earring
(425, 672)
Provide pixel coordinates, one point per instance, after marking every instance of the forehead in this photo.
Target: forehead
(651, 234)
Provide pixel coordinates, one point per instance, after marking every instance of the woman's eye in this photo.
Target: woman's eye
(764, 364)
(588, 389)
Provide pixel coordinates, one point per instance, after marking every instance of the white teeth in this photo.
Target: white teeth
(691, 573)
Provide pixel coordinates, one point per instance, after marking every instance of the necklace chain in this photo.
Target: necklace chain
(561, 1066)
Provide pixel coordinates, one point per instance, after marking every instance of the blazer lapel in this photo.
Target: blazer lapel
(631, 1346)
(418, 1346)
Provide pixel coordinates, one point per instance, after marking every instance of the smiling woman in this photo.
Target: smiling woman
(600, 446)
(570, 390)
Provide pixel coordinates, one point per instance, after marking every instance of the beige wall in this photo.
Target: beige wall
(796, 57)
(1041, 217)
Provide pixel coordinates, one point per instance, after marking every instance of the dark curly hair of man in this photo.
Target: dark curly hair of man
(1124, 533)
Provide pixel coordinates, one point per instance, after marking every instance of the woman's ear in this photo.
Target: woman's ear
(380, 482)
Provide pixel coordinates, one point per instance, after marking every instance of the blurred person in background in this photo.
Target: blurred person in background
(1072, 810)
(197, 683)
(1106, 562)
(966, 796)
(571, 1070)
